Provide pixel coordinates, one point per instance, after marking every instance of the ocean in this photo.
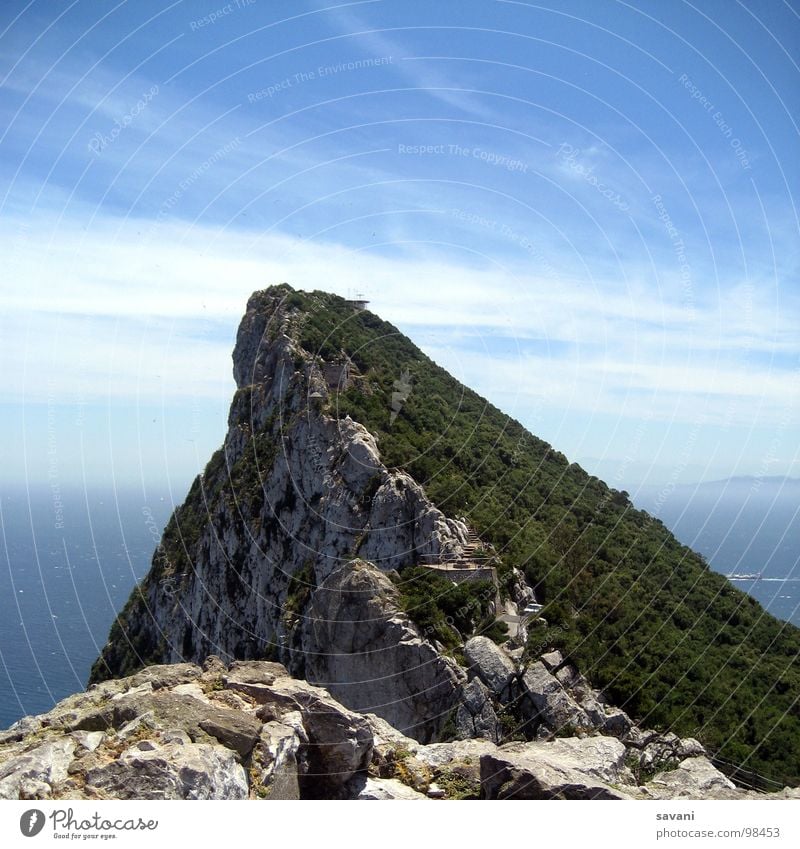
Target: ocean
(69, 560)
(742, 526)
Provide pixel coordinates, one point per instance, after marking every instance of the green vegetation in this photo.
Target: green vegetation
(670, 641)
(442, 610)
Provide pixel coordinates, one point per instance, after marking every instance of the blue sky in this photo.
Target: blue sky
(585, 210)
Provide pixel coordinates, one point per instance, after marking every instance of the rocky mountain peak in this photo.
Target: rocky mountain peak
(260, 560)
(328, 534)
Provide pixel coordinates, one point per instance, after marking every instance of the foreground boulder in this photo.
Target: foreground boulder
(250, 731)
(339, 741)
(563, 769)
(149, 770)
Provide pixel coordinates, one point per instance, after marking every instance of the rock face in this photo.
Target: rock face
(476, 715)
(359, 645)
(694, 777)
(251, 731)
(258, 556)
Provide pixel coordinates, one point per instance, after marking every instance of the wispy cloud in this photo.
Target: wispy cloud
(421, 74)
(587, 349)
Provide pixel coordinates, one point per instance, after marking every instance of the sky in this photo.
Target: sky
(587, 211)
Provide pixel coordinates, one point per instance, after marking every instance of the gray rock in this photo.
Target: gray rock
(600, 757)
(388, 746)
(552, 659)
(213, 667)
(386, 736)
(568, 676)
(301, 743)
(339, 740)
(138, 690)
(22, 727)
(172, 771)
(382, 789)
(456, 766)
(539, 771)
(88, 740)
(617, 723)
(191, 689)
(32, 774)
(695, 778)
(475, 716)
(166, 676)
(491, 664)
(166, 709)
(521, 592)
(437, 755)
(276, 762)
(254, 672)
(237, 731)
(602, 717)
(175, 735)
(688, 747)
(546, 700)
(144, 722)
(655, 751)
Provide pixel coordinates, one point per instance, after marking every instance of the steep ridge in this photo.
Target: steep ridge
(293, 494)
(345, 441)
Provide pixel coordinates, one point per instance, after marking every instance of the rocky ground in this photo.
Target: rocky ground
(250, 731)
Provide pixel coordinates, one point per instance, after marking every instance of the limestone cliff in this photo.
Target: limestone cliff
(255, 563)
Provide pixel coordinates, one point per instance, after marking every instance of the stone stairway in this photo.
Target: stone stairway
(475, 554)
